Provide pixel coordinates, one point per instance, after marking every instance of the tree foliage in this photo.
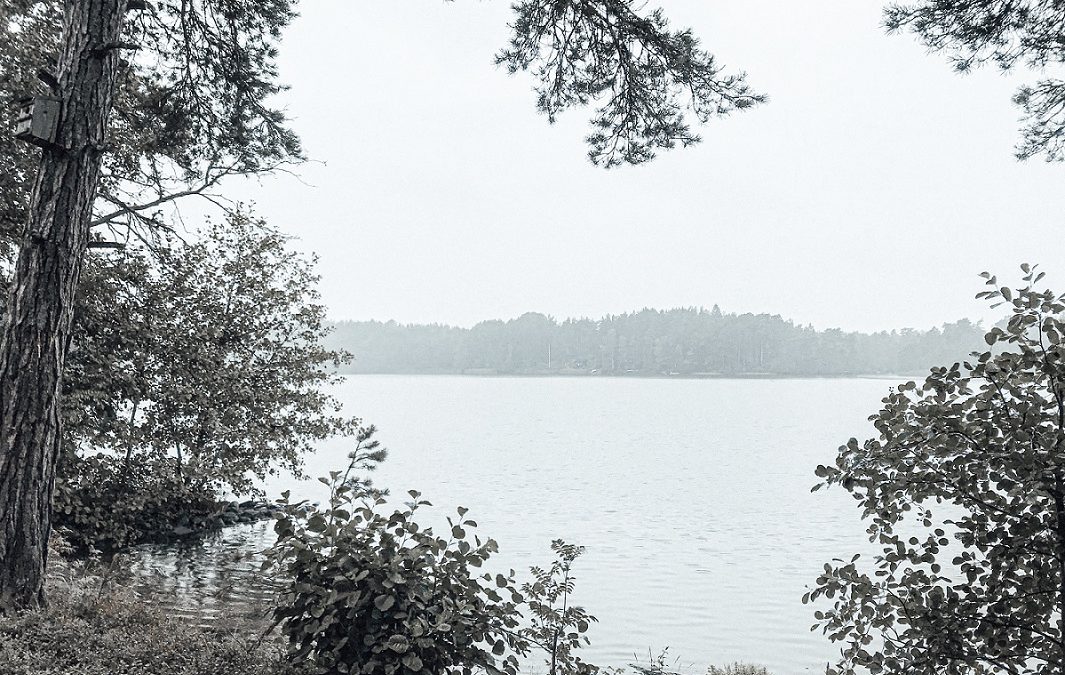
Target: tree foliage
(205, 355)
(367, 591)
(1008, 34)
(106, 503)
(196, 99)
(376, 593)
(643, 74)
(555, 623)
(964, 490)
(194, 369)
(195, 103)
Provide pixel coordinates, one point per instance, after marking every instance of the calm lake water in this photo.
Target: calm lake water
(692, 498)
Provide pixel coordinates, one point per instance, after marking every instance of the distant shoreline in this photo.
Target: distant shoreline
(691, 343)
(901, 377)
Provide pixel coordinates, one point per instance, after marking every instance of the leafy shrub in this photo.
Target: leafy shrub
(963, 489)
(378, 594)
(557, 626)
(106, 503)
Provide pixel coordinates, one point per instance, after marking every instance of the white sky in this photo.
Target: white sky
(868, 193)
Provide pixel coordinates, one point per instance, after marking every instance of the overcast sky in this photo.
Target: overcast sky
(868, 194)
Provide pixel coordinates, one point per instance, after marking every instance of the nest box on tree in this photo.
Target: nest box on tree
(38, 120)
(104, 244)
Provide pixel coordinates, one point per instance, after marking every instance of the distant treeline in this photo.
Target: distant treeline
(690, 341)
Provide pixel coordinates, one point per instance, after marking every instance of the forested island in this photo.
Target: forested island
(691, 341)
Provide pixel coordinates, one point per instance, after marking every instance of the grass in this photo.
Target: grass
(93, 627)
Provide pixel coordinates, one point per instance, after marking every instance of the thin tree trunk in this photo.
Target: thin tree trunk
(40, 305)
(130, 444)
(179, 473)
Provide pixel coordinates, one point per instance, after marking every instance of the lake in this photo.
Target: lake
(692, 497)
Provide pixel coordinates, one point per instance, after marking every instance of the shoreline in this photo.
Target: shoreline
(901, 377)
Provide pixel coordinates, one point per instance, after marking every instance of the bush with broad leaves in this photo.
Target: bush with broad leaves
(373, 592)
(964, 493)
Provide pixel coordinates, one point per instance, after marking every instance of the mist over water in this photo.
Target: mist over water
(692, 497)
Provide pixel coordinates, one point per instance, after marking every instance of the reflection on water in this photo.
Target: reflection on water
(692, 498)
(209, 580)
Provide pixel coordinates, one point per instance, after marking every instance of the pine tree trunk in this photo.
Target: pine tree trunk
(40, 304)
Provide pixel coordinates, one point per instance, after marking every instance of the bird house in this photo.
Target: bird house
(37, 120)
(104, 244)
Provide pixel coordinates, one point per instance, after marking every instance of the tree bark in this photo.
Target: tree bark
(37, 324)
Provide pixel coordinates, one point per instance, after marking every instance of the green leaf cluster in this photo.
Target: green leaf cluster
(195, 103)
(556, 625)
(194, 370)
(368, 590)
(1008, 34)
(643, 75)
(374, 592)
(964, 492)
(102, 502)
